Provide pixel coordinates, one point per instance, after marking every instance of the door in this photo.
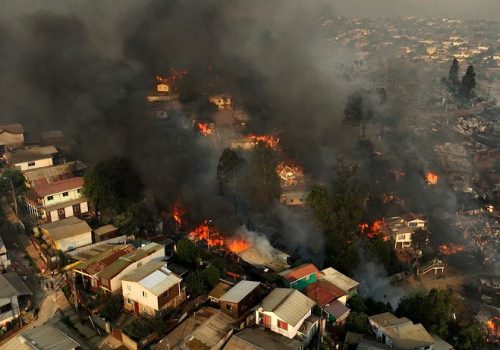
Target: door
(136, 307)
(61, 213)
(265, 320)
(76, 209)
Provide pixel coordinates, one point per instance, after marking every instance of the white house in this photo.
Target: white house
(28, 158)
(414, 220)
(67, 234)
(12, 293)
(284, 311)
(401, 229)
(57, 200)
(400, 333)
(151, 288)
(4, 259)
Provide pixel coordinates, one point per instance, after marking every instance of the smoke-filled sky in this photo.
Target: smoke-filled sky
(462, 9)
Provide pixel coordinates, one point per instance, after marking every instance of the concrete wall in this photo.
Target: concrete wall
(40, 163)
(60, 198)
(68, 212)
(73, 242)
(7, 138)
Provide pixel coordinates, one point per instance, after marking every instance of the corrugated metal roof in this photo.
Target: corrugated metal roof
(210, 333)
(299, 272)
(29, 154)
(288, 304)
(12, 285)
(104, 229)
(48, 337)
(58, 186)
(153, 276)
(338, 279)
(239, 291)
(65, 228)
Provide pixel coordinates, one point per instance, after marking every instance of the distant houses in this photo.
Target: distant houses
(14, 296)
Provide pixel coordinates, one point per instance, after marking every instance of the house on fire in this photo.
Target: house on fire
(401, 229)
(152, 288)
(33, 157)
(287, 312)
(300, 277)
(105, 269)
(57, 200)
(11, 135)
(67, 234)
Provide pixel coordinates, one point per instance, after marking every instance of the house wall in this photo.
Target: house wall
(4, 260)
(135, 292)
(303, 282)
(416, 224)
(60, 198)
(73, 242)
(68, 212)
(11, 314)
(39, 163)
(403, 240)
(6, 138)
(290, 332)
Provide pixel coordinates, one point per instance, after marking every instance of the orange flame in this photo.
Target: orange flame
(205, 129)
(493, 325)
(373, 230)
(174, 75)
(431, 178)
(214, 239)
(290, 175)
(270, 141)
(177, 215)
(450, 249)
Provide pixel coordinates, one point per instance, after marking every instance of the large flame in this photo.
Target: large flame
(493, 325)
(214, 239)
(290, 175)
(450, 249)
(373, 230)
(177, 215)
(205, 129)
(431, 178)
(271, 141)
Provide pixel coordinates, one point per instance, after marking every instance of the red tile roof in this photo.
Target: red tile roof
(300, 272)
(46, 189)
(323, 292)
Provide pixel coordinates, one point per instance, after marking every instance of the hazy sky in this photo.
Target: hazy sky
(469, 9)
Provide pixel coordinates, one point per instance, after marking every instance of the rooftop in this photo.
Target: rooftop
(239, 291)
(104, 230)
(29, 154)
(210, 334)
(12, 285)
(65, 228)
(412, 216)
(338, 279)
(258, 339)
(153, 276)
(220, 289)
(47, 337)
(402, 331)
(14, 128)
(299, 272)
(102, 256)
(288, 304)
(53, 173)
(123, 261)
(323, 292)
(58, 186)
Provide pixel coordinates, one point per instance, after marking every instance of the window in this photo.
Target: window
(144, 294)
(31, 163)
(228, 307)
(79, 190)
(282, 325)
(49, 198)
(129, 301)
(65, 194)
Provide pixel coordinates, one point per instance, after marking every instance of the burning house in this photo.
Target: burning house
(400, 229)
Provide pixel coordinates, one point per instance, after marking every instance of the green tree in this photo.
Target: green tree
(125, 222)
(469, 82)
(434, 310)
(113, 185)
(187, 251)
(195, 284)
(357, 322)
(229, 165)
(453, 73)
(263, 181)
(471, 337)
(18, 181)
(420, 238)
(356, 304)
(112, 308)
(380, 250)
(358, 110)
(211, 276)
